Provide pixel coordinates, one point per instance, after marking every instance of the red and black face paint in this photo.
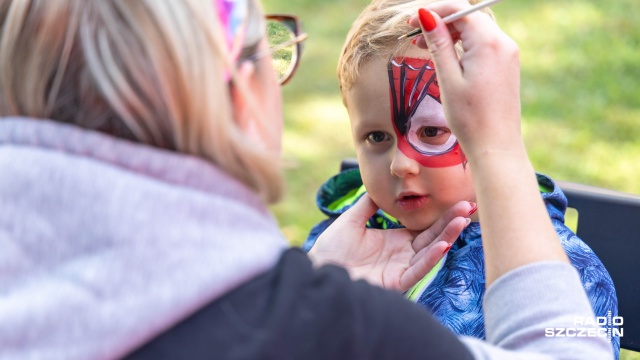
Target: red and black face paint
(417, 114)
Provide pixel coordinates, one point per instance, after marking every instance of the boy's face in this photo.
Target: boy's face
(411, 164)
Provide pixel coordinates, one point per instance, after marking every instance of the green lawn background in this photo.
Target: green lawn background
(580, 96)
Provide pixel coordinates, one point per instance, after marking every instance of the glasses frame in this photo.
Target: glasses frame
(296, 40)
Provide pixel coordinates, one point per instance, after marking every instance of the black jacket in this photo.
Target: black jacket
(296, 312)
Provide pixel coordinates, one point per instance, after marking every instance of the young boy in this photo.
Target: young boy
(414, 170)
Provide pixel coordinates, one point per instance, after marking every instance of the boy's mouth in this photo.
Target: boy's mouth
(411, 201)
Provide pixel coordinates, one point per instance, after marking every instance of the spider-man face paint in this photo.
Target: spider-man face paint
(417, 114)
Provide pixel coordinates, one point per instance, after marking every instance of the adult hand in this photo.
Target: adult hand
(487, 76)
(394, 259)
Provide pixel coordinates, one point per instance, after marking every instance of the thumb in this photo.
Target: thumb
(361, 211)
(440, 44)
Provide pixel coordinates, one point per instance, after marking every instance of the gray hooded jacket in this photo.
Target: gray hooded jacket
(105, 243)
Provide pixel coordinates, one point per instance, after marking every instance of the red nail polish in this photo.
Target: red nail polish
(446, 249)
(414, 41)
(474, 208)
(426, 19)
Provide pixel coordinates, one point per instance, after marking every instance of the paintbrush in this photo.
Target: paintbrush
(455, 16)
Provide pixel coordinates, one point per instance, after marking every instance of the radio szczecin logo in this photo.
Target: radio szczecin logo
(607, 326)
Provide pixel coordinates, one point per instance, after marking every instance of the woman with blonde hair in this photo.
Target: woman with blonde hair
(138, 145)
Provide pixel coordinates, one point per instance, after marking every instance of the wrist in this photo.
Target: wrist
(496, 169)
(481, 156)
(315, 259)
(319, 258)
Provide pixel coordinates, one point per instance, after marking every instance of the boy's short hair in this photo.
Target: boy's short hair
(375, 32)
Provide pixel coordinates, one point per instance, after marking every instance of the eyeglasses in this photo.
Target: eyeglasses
(285, 45)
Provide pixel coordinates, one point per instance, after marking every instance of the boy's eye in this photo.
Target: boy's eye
(434, 135)
(377, 137)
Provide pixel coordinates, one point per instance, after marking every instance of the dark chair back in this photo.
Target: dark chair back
(609, 222)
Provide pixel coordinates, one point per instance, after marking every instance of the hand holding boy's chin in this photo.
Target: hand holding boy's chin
(394, 259)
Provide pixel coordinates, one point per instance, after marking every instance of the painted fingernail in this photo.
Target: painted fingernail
(426, 19)
(474, 208)
(446, 249)
(414, 41)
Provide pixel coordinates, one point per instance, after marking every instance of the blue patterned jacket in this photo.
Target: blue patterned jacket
(455, 294)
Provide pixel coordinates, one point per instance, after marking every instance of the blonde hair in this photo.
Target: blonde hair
(375, 33)
(153, 71)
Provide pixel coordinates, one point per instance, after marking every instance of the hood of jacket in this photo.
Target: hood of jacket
(342, 191)
(105, 243)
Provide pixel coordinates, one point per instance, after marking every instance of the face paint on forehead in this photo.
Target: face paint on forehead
(412, 84)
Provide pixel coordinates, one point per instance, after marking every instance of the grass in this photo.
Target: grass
(580, 97)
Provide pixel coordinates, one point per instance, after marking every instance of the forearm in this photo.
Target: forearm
(515, 224)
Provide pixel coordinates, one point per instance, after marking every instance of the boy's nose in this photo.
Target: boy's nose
(402, 166)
